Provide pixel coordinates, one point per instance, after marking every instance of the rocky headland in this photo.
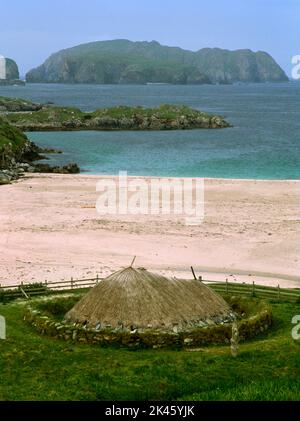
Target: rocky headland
(19, 155)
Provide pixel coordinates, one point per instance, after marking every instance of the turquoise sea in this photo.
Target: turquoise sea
(264, 142)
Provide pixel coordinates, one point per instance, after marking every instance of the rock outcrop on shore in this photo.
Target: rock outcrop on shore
(126, 62)
(71, 168)
(15, 149)
(17, 105)
(19, 155)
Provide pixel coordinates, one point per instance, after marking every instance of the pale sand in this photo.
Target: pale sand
(50, 230)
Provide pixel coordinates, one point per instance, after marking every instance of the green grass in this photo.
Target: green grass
(164, 112)
(35, 367)
(11, 102)
(29, 116)
(45, 115)
(56, 117)
(11, 135)
(12, 142)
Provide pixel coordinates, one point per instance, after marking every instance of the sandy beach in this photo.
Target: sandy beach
(50, 230)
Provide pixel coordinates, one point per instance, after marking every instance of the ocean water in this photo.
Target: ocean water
(264, 142)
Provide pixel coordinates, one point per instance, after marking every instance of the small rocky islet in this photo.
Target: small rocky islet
(18, 154)
(29, 116)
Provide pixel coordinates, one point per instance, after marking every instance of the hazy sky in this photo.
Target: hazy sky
(30, 30)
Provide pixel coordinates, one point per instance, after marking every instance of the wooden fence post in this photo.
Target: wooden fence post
(226, 286)
(97, 279)
(72, 283)
(253, 288)
(193, 272)
(278, 292)
(23, 292)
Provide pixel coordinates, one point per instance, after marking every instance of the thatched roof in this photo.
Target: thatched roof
(138, 299)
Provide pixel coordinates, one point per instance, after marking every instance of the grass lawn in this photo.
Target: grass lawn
(35, 367)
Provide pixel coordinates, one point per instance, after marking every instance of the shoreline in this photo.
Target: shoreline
(50, 230)
(88, 175)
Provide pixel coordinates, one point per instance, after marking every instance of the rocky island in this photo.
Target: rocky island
(12, 76)
(18, 154)
(125, 62)
(29, 116)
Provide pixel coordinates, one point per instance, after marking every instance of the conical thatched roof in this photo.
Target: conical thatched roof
(138, 299)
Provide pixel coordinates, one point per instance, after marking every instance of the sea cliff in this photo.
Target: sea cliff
(126, 62)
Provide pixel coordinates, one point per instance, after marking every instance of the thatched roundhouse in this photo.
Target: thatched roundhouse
(137, 299)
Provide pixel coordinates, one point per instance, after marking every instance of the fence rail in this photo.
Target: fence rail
(42, 288)
(257, 290)
(29, 290)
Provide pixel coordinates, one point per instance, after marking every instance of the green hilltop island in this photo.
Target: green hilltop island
(126, 62)
(9, 72)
